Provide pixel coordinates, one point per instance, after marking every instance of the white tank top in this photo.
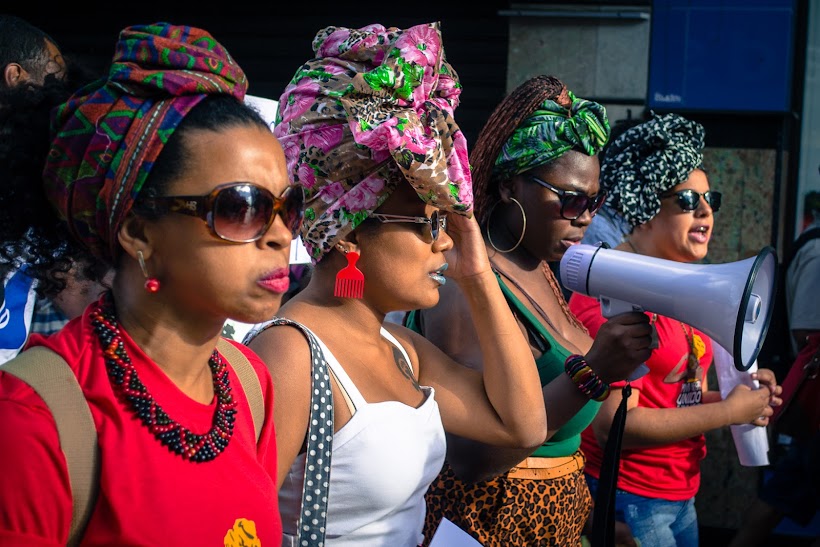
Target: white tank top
(383, 461)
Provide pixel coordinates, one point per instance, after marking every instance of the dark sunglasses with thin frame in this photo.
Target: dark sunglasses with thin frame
(436, 221)
(689, 200)
(573, 204)
(239, 212)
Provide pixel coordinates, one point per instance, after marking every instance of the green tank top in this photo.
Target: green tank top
(566, 440)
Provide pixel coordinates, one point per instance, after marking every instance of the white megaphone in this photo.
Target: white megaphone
(731, 303)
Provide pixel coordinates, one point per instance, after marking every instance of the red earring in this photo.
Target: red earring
(151, 283)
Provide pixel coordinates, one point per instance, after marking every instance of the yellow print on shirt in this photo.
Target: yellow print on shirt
(243, 534)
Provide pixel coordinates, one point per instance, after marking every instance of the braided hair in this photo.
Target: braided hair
(507, 116)
(514, 109)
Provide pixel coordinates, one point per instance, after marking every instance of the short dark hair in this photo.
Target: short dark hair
(23, 43)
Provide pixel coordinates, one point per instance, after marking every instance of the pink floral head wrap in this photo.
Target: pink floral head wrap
(373, 108)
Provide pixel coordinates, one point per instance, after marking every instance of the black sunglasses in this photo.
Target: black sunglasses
(239, 212)
(688, 200)
(573, 204)
(437, 222)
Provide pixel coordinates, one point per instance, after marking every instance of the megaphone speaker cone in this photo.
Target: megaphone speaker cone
(731, 303)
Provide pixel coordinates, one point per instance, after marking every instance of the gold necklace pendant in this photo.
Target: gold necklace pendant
(698, 346)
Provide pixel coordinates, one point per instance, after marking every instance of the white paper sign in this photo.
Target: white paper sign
(298, 253)
(751, 441)
(265, 107)
(449, 535)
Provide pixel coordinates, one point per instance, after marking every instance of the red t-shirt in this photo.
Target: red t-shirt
(671, 471)
(148, 495)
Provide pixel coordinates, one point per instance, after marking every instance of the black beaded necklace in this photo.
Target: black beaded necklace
(130, 389)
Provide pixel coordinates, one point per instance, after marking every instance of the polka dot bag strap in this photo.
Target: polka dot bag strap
(311, 527)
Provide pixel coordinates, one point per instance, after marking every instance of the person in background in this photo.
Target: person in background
(792, 490)
(663, 192)
(368, 130)
(535, 179)
(33, 66)
(803, 279)
(28, 55)
(162, 173)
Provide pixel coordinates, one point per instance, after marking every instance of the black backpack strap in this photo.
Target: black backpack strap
(311, 526)
(804, 238)
(54, 381)
(603, 518)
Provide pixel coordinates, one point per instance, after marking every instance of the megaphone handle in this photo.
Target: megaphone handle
(611, 307)
(638, 372)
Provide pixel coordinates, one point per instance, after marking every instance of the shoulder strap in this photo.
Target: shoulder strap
(249, 381)
(311, 527)
(537, 332)
(54, 381)
(804, 238)
(603, 517)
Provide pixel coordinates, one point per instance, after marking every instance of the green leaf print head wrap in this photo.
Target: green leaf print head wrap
(550, 132)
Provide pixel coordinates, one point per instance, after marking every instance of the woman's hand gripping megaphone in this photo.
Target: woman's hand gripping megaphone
(621, 347)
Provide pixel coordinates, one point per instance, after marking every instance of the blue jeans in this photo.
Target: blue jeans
(655, 522)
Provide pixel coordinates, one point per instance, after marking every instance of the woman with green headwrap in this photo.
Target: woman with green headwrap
(368, 131)
(535, 178)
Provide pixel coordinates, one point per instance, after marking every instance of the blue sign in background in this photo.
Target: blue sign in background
(721, 55)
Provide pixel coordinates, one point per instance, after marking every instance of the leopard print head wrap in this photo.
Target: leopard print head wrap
(647, 160)
(373, 109)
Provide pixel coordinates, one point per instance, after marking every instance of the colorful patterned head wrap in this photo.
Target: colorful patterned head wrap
(373, 108)
(649, 159)
(550, 132)
(109, 134)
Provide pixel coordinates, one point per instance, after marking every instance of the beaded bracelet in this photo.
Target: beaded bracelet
(585, 378)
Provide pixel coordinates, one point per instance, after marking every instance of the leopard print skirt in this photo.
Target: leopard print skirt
(512, 512)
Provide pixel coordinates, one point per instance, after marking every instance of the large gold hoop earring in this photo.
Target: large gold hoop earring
(523, 229)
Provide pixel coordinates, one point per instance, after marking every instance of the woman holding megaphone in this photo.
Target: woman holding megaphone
(658, 184)
(535, 179)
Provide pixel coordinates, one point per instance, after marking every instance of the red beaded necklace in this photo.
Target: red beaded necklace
(130, 389)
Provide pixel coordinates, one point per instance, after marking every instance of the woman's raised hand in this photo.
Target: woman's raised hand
(468, 256)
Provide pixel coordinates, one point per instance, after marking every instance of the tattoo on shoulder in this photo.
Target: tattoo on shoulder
(404, 367)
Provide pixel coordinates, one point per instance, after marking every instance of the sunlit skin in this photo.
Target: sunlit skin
(622, 342)
(400, 262)
(204, 280)
(548, 235)
(675, 234)
(401, 266)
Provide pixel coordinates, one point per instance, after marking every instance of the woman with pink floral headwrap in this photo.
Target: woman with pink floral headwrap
(368, 132)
